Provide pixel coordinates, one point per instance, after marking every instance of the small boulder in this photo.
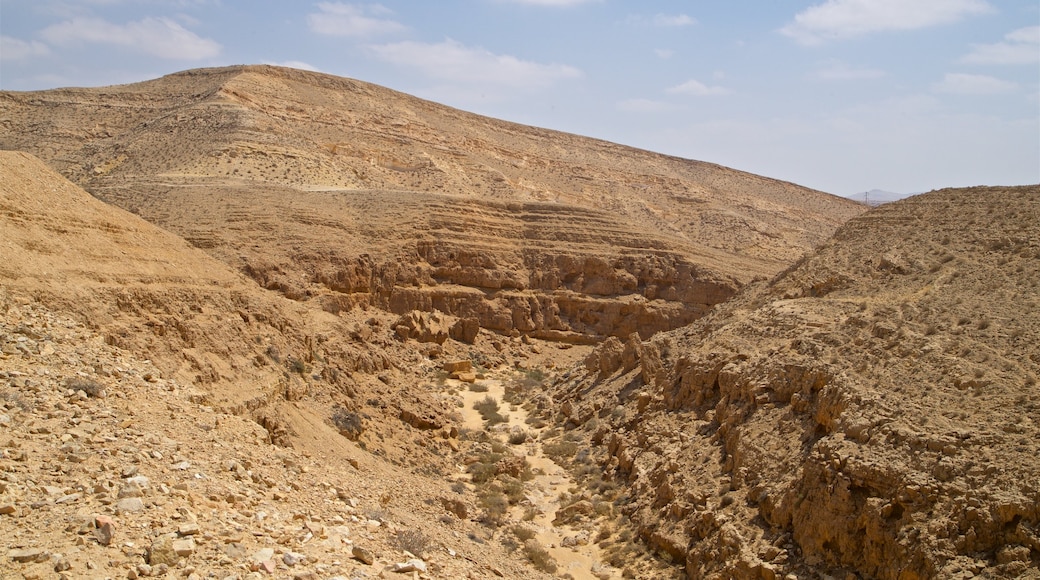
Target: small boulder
(363, 555)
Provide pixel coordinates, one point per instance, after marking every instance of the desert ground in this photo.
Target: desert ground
(258, 322)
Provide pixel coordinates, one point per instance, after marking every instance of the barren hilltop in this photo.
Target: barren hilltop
(303, 326)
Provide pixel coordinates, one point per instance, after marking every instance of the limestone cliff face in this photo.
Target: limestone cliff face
(870, 411)
(347, 194)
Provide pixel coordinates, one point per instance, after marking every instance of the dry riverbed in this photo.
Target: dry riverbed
(570, 547)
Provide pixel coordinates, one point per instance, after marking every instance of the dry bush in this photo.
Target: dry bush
(349, 423)
(495, 506)
(539, 556)
(560, 450)
(488, 409)
(523, 533)
(413, 541)
(517, 437)
(89, 386)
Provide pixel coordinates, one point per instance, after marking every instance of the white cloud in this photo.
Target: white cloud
(968, 84)
(664, 52)
(643, 106)
(661, 20)
(551, 2)
(16, 49)
(452, 61)
(1020, 46)
(160, 37)
(698, 89)
(354, 20)
(673, 21)
(297, 64)
(835, 70)
(838, 19)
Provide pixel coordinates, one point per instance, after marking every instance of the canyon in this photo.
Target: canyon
(299, 285)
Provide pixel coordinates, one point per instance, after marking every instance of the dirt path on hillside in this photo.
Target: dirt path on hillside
(581, 558)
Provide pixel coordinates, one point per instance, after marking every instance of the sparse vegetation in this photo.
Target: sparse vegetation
(414, 542)
(349, 423)
(539, 556)
(488, 409)
(89, 386)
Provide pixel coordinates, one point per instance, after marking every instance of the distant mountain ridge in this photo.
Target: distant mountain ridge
(876, 197)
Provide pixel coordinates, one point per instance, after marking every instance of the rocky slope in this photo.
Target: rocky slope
(341, 193)
(159, 411)
(869, 413)
(246, 351)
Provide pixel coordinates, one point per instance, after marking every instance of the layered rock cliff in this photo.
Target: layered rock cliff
(871, 412)
(347, 194)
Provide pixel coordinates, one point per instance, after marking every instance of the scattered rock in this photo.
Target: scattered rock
(363, 555)
(163, 551)
(105, 529)
(28, 555)
(413, 565)
(130, 505)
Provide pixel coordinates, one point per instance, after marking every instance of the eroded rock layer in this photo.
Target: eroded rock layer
(348, 194)
(871, 411)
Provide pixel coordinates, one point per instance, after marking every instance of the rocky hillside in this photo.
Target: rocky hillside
(872, 412)
(245, 351)
(160, 411)
(343, 194)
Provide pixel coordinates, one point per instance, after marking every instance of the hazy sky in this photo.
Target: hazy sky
(839, 95)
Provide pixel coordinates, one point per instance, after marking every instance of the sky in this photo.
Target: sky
(843, 96)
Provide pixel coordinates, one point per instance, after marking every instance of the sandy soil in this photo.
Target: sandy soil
(543, 492)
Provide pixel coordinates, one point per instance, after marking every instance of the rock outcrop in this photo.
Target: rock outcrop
(870, 412)
(346, 195)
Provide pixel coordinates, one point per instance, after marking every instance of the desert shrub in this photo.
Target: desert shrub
(498, 447)
(15, 399)
(273, 354)
(535, 375)
(539, 556)
(560, 450)
(488, 409)
(495, 506)
(413, 541)
(481, 472)
(478, 387)
(522, 533)
(513, 488)
(517, 437)
(297, 365)
(535, 421)
(349, 423)
(89, 386)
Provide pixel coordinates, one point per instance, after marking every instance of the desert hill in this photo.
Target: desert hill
(869, 413)
(343, 193)
(239, 348)
(158, 409)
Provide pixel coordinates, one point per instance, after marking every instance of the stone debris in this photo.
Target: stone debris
(28, 555)
(413, 565)
(363, 555)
